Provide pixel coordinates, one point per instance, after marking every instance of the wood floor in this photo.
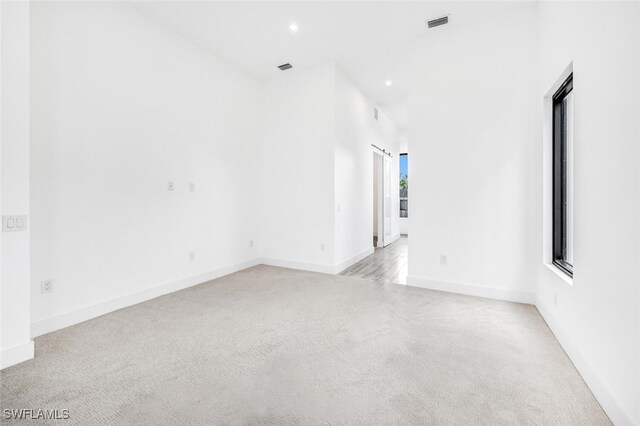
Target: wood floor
(387, 264)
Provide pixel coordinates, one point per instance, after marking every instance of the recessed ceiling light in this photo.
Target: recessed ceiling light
(293, 27)
(388, 83)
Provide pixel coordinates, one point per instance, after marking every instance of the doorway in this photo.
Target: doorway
(382, 202)
(388, 264)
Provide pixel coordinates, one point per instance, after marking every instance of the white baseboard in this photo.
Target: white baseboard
(316, 267)
(24, 352)
(473, 290)
(609, 404)
(16, 354)
(47, 325)
(67, 319)
(355, 259)
(303, 266)
(394, 239)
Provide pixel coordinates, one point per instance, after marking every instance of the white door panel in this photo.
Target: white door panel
(386, 200)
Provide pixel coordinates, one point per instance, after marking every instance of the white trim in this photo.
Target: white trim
(313, 267)
(547, 174)
(560, 80)
(317, 267)
(561, 274)
(473, 290)
(47, 325)
(16, 354)
(355, 259)
(394, 238)
(67, 319)
(616, 413)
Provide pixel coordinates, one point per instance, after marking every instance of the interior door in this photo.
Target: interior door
(386, 200)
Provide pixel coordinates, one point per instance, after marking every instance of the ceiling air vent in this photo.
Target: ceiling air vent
(285, 67)
(438, 21)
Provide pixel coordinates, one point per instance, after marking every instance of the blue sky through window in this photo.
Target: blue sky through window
(404, 165)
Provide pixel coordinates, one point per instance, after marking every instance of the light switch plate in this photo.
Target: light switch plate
(13, 223)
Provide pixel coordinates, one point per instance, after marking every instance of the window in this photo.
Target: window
(563, 177)
(404, 185)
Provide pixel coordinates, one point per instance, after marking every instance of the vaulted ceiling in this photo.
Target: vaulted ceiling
(368, 40)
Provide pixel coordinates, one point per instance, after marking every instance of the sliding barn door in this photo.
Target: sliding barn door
(386, 199)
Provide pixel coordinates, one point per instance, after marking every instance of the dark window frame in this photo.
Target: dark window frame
(560, 177)
(406, 201)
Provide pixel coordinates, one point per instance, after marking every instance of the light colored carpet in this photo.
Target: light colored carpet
(275, 346)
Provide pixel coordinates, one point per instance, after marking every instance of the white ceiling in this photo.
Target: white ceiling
(368, 40)
(398, 113)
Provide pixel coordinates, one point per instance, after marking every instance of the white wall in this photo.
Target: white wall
(597, 318)
(404, 225)
(316, 176)
(120, 106)
(297, 169)
(403, 144)
(472, 130)
(15, 342)
(479, 195)
(356, 129)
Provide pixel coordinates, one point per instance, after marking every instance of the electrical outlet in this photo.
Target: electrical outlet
(322, 246)
(169, 186)
(46, 286)
(192, 255)
(250, 243)
(443, 259)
